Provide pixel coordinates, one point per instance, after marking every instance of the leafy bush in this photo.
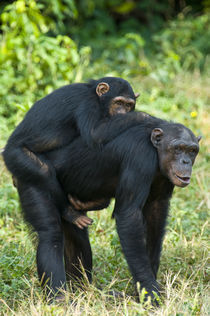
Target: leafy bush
(184, 43)
(123, 56)
(31, 62)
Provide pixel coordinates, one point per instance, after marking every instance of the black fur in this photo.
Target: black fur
(55, 121)
(127, 168)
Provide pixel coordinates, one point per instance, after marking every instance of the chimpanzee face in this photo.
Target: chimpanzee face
(177, 150)
(117, 96)
(122, 105)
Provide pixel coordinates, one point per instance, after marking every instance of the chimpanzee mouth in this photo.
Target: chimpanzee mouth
(185, 180)
(120, 111)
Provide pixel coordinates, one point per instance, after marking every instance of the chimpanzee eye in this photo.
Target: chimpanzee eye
(130, 105)
(193, 151)
(178, 149)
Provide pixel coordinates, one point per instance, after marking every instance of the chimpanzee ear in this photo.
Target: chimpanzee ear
(137, 95)
(102, 88)
(156, 136)
(199, 138)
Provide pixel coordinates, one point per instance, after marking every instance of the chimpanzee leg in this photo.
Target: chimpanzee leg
(77, 252)
(41, 213)
(155, 214)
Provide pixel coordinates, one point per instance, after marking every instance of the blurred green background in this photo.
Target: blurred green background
(162, 47)
(48, 43)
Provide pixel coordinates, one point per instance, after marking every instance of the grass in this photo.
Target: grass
(183, 270)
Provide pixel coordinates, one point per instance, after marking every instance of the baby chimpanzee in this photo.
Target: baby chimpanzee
(55, 121)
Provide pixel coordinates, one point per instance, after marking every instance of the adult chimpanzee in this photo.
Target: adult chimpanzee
(139, 168)
(54, 121)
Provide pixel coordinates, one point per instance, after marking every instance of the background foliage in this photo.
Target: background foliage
(162, 47)
(46, 44)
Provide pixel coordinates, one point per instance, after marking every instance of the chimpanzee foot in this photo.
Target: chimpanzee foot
(83, 221)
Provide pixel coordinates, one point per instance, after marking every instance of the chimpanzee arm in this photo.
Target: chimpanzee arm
(131, 233)
(110, 128)
(87, 117)
(95, 130)
(130, 199)
(155, 213)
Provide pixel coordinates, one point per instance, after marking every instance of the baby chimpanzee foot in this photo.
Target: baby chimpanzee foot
(82, 221)
(79, 218)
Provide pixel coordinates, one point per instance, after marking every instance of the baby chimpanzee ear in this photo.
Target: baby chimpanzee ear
(102, 88)
(156, 136)
(137, 95)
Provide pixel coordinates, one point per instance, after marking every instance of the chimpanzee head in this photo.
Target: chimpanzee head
(177, 149)
(116, 95)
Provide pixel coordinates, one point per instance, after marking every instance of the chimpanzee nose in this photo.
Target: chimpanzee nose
(185, 161)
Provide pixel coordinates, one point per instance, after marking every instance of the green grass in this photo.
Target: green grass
(183, 270)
